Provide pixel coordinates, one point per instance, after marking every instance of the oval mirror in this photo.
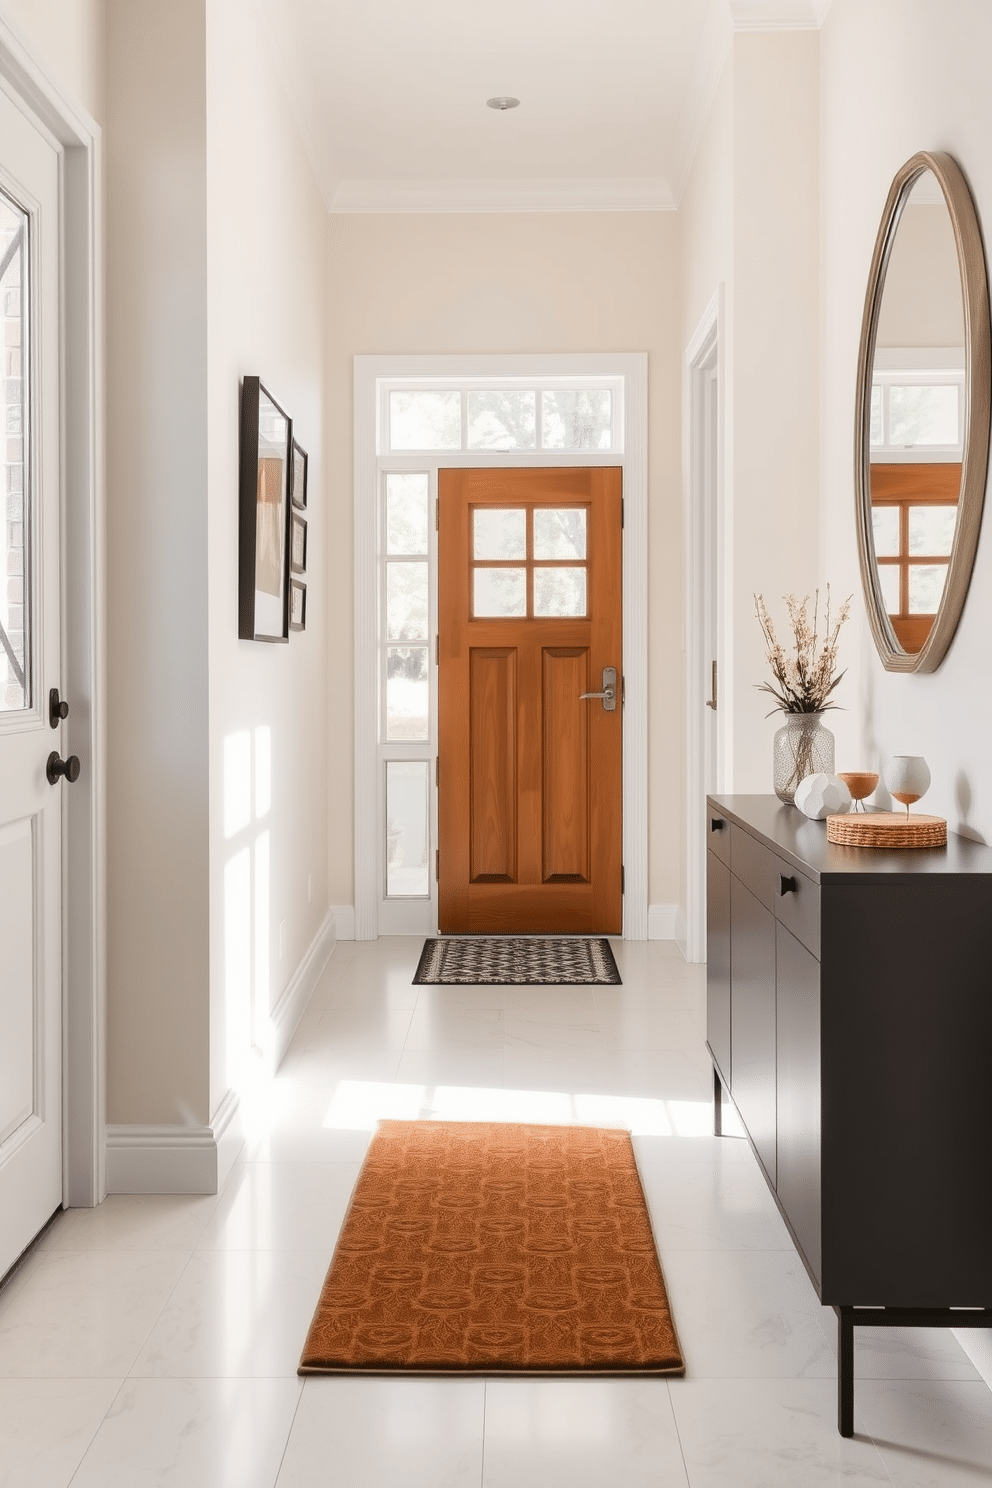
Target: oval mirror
(922, 431)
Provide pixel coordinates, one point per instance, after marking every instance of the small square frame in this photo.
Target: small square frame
(297, 605)
(299, 475)
(297, 543)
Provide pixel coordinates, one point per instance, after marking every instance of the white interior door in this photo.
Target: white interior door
(30, 651)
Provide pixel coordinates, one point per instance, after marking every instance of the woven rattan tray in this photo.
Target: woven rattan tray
(887, 829)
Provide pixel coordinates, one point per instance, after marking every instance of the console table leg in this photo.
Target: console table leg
(845, 1372)
(717, 1105)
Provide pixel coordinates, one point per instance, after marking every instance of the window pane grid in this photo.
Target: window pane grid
(522, 586)
(502, 418)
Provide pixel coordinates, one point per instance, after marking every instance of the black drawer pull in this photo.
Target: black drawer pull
(717, 823)
(787, 885)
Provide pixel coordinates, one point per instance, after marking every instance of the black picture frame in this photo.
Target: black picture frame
(264, 499)
(297, 543)
(297, 605)
(299, 478)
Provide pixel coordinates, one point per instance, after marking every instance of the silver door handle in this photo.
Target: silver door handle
(711, 700)
(609, 692)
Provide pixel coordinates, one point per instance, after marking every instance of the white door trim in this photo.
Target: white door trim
(704, 520)
(83, 646)
(633, 367)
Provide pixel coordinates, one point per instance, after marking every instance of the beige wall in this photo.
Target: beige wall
(515, 283)
(157, 890)
(266, 227)
(68, 37)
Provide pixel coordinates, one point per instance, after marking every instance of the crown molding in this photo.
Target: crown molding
(579, 194)
(778, 15)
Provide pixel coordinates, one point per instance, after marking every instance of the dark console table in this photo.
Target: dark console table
(849, 1017)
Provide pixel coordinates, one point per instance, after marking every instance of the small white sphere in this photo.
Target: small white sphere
(819, 796)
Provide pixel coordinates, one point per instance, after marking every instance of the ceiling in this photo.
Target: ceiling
(390, 97)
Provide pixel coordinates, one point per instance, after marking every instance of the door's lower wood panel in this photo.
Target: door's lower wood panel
(566, 764)
(493, 748)
(19, 981)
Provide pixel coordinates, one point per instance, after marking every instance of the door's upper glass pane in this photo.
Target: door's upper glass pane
(423, 420)
(580, 419)
(888, 582)
(502, 420)
(15, 513)
(406, 512)
(407, 698)
(407, 840)
(559, 532)
(559, 591)
(931, 530)
(406, 601)
(923, 415)
(499, 593)
(499, 532)
(885, 526)
(926, 585)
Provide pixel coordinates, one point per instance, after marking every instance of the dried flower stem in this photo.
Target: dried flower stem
(805, 680)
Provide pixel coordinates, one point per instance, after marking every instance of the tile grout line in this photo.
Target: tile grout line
(289, 1433)
(99, 1427)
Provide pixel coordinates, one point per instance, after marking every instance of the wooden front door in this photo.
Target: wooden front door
(530, 818)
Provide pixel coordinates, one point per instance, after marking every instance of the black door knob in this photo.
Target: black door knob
(67, 767)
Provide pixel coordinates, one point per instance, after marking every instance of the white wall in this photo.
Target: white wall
(266, 229)
(899, 76)
(514, 283)
(216, 241)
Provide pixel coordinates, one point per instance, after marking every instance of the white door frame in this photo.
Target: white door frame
(707, 604)
(633, 459)
(83, 631)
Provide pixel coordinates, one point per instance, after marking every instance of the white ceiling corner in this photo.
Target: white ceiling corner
(389, 97)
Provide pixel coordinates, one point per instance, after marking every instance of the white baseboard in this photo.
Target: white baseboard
(175, 1159)
(285, 1016)
(662, 921)
(344, 920)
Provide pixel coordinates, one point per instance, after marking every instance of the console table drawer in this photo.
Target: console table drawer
(718, 835)
(754, 865)
(797, 905)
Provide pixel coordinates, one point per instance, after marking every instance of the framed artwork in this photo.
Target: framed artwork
(299, 475)
(266, 444)
(297, 543)
(297, 605)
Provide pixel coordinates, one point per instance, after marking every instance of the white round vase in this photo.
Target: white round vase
(819, 796)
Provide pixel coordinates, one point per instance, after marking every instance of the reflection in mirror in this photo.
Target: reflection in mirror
(917, 413)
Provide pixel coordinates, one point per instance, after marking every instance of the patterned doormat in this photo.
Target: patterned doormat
(543, 961)
(478, 1247)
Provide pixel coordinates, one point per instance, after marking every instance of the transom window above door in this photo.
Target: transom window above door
(501, 416)
(529, 562)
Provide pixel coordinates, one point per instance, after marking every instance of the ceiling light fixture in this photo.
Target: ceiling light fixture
(502, 103)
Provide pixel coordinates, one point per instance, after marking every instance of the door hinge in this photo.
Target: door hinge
(437, 865)
(623, 880)
(621, 511)
(437, 649)
(437, 515)
(437, 769)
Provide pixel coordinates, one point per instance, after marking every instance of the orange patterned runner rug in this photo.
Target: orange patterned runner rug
(491, 1248)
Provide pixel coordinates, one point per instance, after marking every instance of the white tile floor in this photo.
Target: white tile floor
(154, 1341)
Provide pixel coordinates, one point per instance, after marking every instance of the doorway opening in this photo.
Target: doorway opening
(707, 604)
(414, 418)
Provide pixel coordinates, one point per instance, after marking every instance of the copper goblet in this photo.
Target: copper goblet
(860, 783)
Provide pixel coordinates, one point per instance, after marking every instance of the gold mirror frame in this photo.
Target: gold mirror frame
(975, 449)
